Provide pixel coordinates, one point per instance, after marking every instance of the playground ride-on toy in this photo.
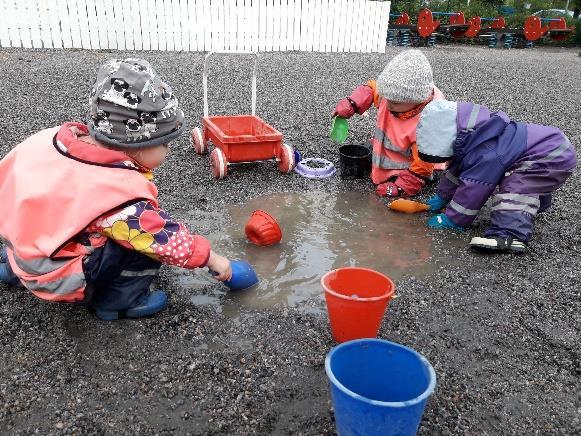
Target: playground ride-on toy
(240, 138)
(403, 32)
(532, 30)
(424, 32)
(475, 25)
(557, 29)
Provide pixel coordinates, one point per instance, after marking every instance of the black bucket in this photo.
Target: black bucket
(354, 161)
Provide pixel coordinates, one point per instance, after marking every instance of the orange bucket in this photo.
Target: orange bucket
(356, 301)
(262, 229)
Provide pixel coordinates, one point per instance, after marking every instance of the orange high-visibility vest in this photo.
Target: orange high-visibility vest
(393, 143)
(49, 197)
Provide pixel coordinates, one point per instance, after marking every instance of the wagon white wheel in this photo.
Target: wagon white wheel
(286, 162)
(219, 163)
(198, 139)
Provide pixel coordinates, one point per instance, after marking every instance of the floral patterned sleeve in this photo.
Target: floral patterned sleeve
(150, 230)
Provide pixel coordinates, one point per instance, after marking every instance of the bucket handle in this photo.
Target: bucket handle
(229, 52)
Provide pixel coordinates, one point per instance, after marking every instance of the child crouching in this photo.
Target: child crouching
(486, 151)
(400, 93)
(82, 221)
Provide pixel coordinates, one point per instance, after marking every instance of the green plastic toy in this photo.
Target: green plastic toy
(339, 130)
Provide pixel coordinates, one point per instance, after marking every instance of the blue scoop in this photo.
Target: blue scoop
(243, 276)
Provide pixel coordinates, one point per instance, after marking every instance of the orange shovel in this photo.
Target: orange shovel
(408, 206)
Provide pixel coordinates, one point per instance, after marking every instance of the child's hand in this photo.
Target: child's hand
(344, 109)
(220, 265)
(388, 189)
(441, 222)
(436, 203)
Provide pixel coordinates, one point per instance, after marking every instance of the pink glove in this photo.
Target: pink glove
(359, 101)
(409, 183)
(343, 109)
(388, 189)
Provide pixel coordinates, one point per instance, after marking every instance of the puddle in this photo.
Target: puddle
(321, 232)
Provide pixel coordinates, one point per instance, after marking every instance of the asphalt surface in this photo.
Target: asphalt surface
(502, 332)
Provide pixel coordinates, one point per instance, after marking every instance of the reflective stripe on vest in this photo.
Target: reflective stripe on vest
(64, 285)
(71, 297)
(40, 266)
(380, 136)
(386, 163)
(61, 280)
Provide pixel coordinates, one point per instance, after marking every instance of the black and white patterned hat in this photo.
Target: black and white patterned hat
(131, 107)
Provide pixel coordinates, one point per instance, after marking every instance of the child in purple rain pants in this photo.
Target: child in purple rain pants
(488, 152)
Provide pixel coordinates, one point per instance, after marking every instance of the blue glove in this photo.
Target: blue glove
(441, 221)
(436, 203)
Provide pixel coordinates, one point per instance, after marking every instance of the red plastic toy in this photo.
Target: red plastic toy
(404, 18)
(534, 28)
(262, 229)
(426, 23)
(240, 138)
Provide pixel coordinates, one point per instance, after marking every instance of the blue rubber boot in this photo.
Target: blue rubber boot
(6, 274)
(151, 304)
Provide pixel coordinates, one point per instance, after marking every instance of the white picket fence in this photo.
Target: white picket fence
(196, 25)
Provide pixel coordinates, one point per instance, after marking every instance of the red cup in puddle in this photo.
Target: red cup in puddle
(262, 229)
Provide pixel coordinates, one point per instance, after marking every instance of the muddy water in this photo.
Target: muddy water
(321, 231)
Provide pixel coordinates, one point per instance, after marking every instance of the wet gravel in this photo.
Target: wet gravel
(502, 332)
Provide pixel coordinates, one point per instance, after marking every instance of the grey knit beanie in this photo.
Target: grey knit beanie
(407, 78)
(131, 107)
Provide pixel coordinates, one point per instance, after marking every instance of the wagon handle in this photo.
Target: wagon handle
(205, 76)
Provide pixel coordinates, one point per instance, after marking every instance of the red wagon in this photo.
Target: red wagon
(240, 138)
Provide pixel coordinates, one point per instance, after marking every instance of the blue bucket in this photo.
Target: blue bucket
(378, 387)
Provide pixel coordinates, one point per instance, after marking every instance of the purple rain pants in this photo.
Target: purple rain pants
(527, 190)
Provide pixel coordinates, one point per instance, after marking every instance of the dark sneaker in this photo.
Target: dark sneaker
(498, 244)
(151, 304)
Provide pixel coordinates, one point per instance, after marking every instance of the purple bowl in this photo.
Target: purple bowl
(315, 168)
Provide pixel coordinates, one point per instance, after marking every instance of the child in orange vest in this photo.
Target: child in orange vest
(84, 224)
(400, 93)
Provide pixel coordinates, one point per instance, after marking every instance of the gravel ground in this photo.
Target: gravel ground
(500, 331)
